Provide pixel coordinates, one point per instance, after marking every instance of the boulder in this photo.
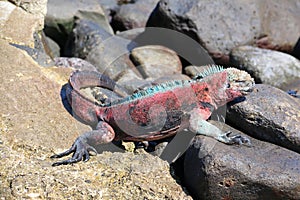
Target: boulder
(265, 24)
(156, 61)
(15, 32)
(213, 170)
(266, 66)
(268, 114)
(133, 15)
(34, 125)
(61, 16)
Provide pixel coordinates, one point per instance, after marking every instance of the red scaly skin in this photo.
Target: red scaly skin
(153, 116)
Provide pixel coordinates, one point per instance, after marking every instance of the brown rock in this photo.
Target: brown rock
(34, 124)
(156, 61)
(15, 32)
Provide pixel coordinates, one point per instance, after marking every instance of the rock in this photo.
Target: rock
(110, 8)
(53, 47)
(266, 66)
(58, 24)
(219, 33)
(131, 81)
(133, 15)
(34, 124)
(189, 50)
(130, 34)
(269, 114)
(108, 53)
(38, 52)
(193, 70)
(164, 79)
(296, 50)
(85, 36)
(15, 32)
(35, 7)
(293, 85)
(213, 170)
(75, 63)
(156, 61)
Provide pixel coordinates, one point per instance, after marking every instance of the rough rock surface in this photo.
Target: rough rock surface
(269, 114)
(156, 61)
(34, 124)
(266, 66)
(213, 170)
(35, 7)
(10, 26)
(133, 15)
(236, 23)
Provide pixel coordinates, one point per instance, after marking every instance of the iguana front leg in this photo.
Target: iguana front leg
(200, 126)
(103, 133)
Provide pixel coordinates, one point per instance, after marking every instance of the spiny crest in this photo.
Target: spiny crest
(149, 91)
(210, 69)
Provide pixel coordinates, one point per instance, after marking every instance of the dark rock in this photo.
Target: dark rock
(296, 50)
(266, 66)
(156, 61)
(213, 170)
(219, 33)
(133, 15)
(85, 36)
(61, 16)
(110, 8)
(269, 114)
(108, 53)
(189, 50)
(53, 47)
(75, 63)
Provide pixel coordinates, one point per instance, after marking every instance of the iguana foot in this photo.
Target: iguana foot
(235, 139)
(80, 150)
(86, 143)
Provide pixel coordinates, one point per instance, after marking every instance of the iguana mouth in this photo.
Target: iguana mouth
(246, 91)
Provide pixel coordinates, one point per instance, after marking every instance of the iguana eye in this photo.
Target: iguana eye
(228, 85)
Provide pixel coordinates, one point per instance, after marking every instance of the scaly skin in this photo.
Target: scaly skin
(153, 113)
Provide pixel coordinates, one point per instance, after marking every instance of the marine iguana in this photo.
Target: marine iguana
(153, 113)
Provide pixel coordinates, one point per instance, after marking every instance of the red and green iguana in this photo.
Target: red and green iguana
(156, 112)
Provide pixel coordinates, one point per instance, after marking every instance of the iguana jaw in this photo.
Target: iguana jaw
(239, 81)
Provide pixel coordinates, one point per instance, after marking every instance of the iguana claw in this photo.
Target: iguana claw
(236, 139)
(80, 150)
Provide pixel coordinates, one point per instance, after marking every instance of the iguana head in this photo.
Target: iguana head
(226, 84)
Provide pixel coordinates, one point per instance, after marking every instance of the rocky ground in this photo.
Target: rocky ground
(138, 44)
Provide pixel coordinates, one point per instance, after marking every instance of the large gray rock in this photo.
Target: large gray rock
(61, 17)
(266, 66)
(133, 15)
(110, 7)
(213, 170)
(269, 114)
(235, 23)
